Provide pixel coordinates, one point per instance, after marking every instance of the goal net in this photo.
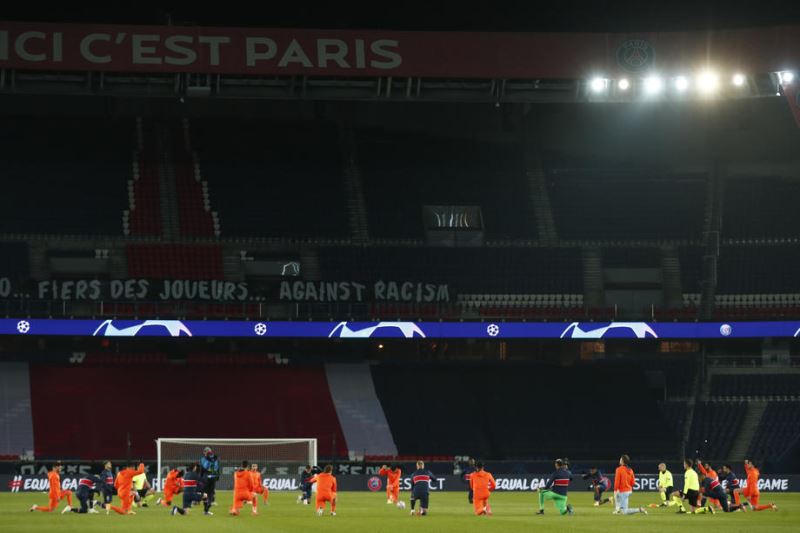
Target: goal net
(275, 457)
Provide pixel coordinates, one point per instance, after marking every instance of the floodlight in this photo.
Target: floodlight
(653, 84)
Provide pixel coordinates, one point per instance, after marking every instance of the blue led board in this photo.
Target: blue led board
(407, 330)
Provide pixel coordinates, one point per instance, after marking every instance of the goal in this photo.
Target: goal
(284, 457)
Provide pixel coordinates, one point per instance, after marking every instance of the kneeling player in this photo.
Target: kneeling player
(665, 487)
(555, 488)
(420, 488)
(55, 492)
(392, 482)
(305, 486)
(326, 490)
(172, 486)
(715, 494)
(87, 488)
(243, 489)
(191, 492)
(600, 484)
(142, 491)
(751, 491)
(733, 487)
(482, 484)
(258, 487)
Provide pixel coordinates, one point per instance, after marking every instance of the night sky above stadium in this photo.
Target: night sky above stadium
(599, 15)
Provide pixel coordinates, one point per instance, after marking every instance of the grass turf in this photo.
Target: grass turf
(367, 512)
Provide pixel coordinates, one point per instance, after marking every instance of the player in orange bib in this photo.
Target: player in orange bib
(124, 486)
(172, 486)
(258, 485)
(392, 482)
(326, 490)
(56, 494)
(751, 491)
(482, 484)
(243, 489)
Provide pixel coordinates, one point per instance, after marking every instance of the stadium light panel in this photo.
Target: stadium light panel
(738, 79)
(787, 76)
(598, 85)
(681, 83)
(708, 82)
(653, 84)
(624, 84)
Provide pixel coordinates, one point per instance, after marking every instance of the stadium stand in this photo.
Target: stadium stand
(435, 171)
(14, 261)
(273, 178)
(759, 269)
(513, 271)
(761, 208)
(144, 214)
(85, 432)
(602, 205)
(631, 258)
(715, 425)
(506, 424)
(674, 413)
(691, 260)
(194, 204)
(55, 168)
(156, 261)
(755, 385)
(778, 429)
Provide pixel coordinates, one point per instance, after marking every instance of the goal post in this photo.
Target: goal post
(286, 457)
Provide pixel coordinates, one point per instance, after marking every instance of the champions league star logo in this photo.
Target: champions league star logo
(409, 330)
(23, 326)
(175, 328)
(635, 55)
(638, 330)
(493, 330)
(260, 329)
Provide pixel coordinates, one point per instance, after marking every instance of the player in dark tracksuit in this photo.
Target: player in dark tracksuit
(555, 488)
(305, 486)
(713, 489)
(106, 485)
(87, 488)
(191, 492)
(600, 484)
(469, 469)
(733, 486)
(420, 488)
(209, 470)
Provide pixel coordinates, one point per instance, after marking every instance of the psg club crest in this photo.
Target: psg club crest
(636, 55)
(374, 484)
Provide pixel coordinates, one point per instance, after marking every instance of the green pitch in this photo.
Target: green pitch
(369, 513)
